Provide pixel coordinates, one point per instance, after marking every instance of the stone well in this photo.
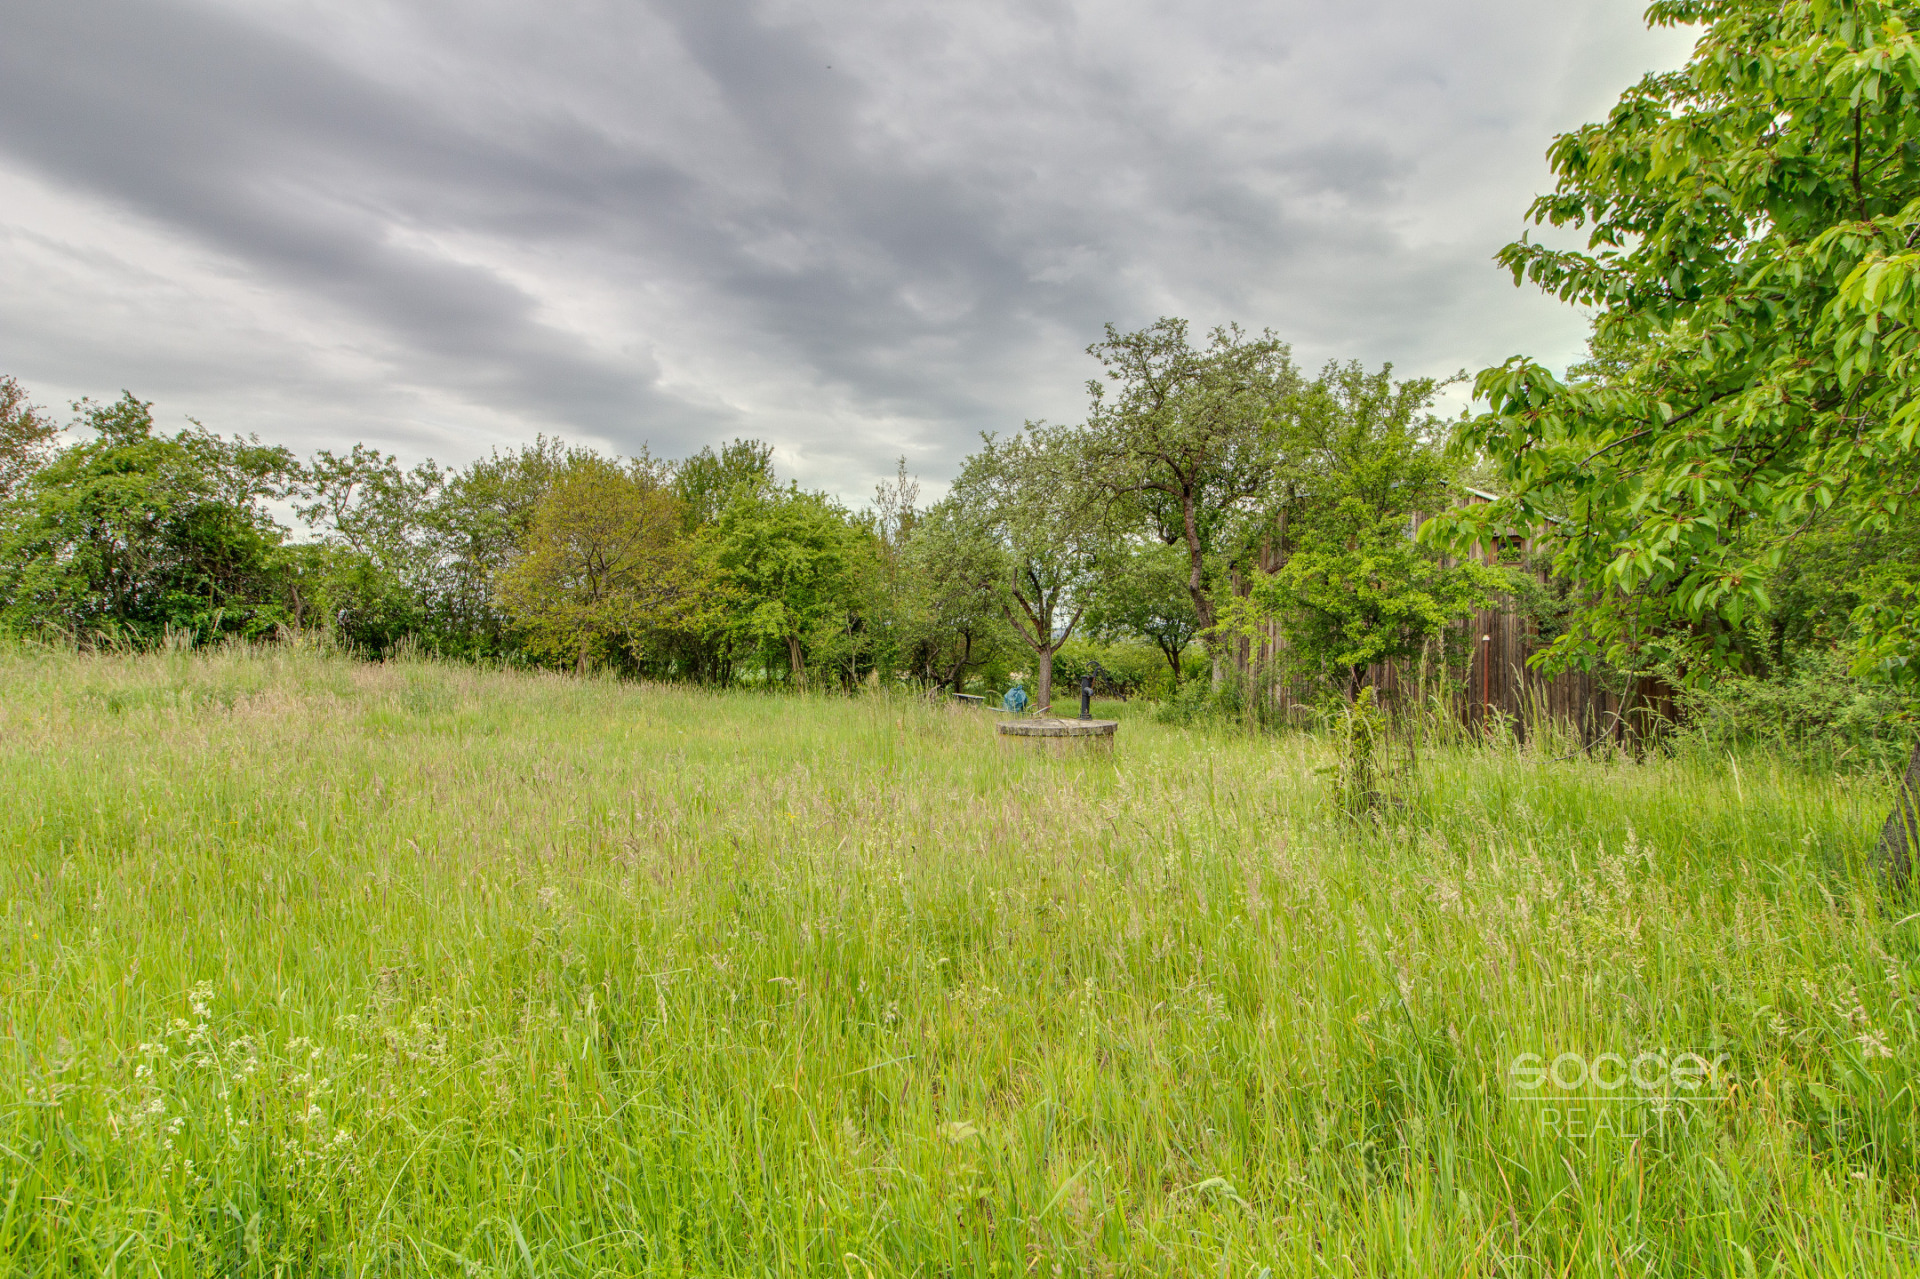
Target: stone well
(1062, 735)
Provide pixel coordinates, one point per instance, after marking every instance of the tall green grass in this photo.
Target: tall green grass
(317, 968)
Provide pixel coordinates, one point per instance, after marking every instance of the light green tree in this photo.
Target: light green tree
(604, 566)
(798, 573)
(1353, 588)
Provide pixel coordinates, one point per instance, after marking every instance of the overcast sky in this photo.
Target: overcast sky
(853, 229)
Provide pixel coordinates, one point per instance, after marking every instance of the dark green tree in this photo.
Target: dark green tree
(133, 533)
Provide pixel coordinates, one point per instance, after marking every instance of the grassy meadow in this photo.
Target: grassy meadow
(310, 967)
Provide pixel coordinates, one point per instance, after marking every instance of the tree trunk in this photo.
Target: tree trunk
(1043, 678)
(796, 660)
(1902, 831)
(1196, 583)
(1173, 659)
(958, 679)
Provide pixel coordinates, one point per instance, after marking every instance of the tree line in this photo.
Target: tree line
(1213, 488)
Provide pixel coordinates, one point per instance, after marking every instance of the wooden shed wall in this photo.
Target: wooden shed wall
(1497, 688)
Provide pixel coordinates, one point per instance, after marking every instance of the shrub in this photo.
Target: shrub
(1122, 669)
(1811, 706)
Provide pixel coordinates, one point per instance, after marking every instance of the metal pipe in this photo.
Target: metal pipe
(1486, 677)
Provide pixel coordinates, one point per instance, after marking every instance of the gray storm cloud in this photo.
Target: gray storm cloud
(854, 230)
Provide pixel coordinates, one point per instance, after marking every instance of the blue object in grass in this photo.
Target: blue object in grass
(1016, 699)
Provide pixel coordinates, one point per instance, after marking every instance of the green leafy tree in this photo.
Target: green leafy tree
(604, 566)
(366, 578)
(132, 533)
(421, 550)
(708, 481)
(895, 510)
(890, 523)
(1142, 591)
(1184, 441)
(1752, 226)
(1354, 588)
(470, 530)
(1022, 495)
(797, 572)
(339, 591)
(368, 502)
(950, 600)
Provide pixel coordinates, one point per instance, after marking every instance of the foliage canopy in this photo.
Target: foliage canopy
(604, 564)
(1751, 232)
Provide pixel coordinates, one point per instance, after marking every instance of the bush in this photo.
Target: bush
(1189, 704)
(1812, 706)
(1247, 699)
(1123, 669)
